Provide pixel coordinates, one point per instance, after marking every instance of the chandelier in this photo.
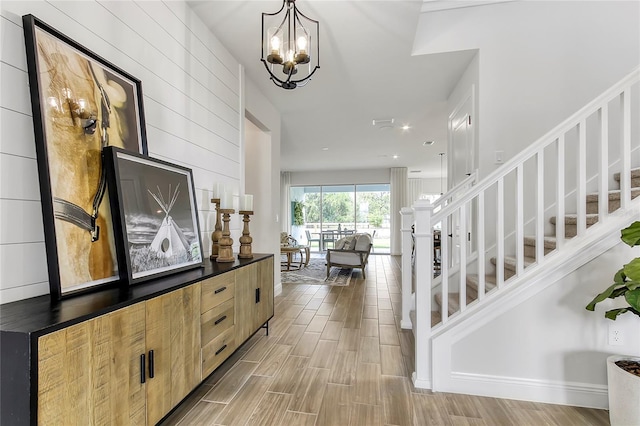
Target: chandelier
(290, 50)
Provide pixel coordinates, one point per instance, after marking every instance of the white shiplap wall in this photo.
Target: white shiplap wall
(191, 90)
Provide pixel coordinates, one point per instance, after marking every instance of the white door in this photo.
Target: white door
(462, 164)
(462, 146)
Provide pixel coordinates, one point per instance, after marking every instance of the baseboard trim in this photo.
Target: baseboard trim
(420, 384)
(406, 325)
(545, 391)
(277, 289)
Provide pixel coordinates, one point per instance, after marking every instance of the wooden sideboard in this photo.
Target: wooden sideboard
(127, 356)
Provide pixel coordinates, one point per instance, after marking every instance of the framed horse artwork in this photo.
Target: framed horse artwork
(81, 104)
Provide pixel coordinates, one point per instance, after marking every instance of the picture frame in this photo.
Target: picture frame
(154, 207)
(80, 103)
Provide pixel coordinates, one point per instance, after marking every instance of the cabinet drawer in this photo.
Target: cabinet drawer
(216, 320)
(217, 290)
(219, 349)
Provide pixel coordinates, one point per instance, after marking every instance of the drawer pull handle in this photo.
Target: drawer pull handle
(221, 349)
(219, 320)
(220, 290)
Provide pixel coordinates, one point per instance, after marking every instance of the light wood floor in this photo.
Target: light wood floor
(337, 356)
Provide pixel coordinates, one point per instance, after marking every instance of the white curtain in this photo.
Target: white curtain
(285, 194)
(399, 199)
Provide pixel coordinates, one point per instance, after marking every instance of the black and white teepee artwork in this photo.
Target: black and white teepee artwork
(169, 240)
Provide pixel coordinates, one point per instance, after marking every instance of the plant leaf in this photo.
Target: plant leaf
(613, 314)
(633, 298)
(632, 269)
(631, 234)
(619, 277)
(602, 296)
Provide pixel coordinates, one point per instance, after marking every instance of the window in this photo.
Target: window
(334, 211)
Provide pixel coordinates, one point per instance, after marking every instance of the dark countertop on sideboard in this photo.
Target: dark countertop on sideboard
(41, 314)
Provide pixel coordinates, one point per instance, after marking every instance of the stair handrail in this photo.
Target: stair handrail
(459, 209)
(451, 194)
(540, 143)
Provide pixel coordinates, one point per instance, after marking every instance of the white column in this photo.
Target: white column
(423, 210)
(407, 294)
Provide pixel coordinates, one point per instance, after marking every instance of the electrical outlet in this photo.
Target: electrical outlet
(616, 337)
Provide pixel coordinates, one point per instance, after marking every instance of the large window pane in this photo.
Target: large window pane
(331, 212)
(373, 204)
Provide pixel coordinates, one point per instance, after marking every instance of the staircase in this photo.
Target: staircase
(502, 241)
(570, 227)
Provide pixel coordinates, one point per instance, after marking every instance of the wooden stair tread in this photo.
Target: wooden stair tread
(572, 219)
(549, 241)
(635, 173)
(614, 195)
(510, 262)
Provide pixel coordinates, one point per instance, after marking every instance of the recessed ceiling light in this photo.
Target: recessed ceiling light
(395, 156)
(427, 143)
(406, 127)
(325, 149)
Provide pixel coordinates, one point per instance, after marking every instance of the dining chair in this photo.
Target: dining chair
(310, 240)
(328, 237)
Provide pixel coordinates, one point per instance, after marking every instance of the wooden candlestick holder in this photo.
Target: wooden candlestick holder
(217, 232)
(225, 251)
(246, 239)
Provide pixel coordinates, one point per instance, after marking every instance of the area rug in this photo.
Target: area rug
(316, 272)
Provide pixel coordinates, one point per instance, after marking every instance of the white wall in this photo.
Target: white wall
(192, 100)
(266, 118)
(539, 62)
(551, 339)
(338, 177)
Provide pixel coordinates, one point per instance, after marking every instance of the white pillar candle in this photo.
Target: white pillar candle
(218, 189)
(247, 202)
(226, 200)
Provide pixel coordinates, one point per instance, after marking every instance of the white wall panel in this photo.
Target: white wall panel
(23, 292)
(21, 222)
(191, 91)
(11, 39)
(16, 134)
(19, 267)
(167, 118)
(14, 89)
(205, 45)
(19, 178)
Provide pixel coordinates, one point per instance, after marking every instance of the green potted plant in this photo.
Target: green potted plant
(298, 213)
(623, 372)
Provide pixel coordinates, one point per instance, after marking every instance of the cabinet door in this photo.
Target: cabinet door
(254, 297)
(264, 309)
(89, 373)
(173, 334)
(246, 278)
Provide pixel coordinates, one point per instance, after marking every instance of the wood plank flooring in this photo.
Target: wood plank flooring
(337, 356)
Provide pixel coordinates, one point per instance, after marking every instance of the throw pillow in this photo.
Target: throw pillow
(340, 244)
(352, 242)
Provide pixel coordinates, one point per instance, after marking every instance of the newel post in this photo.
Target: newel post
(423, 210)
(407, 293)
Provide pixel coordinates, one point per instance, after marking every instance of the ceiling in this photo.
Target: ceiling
(366, 72)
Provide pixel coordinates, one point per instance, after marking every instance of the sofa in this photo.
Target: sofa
(350, 252)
